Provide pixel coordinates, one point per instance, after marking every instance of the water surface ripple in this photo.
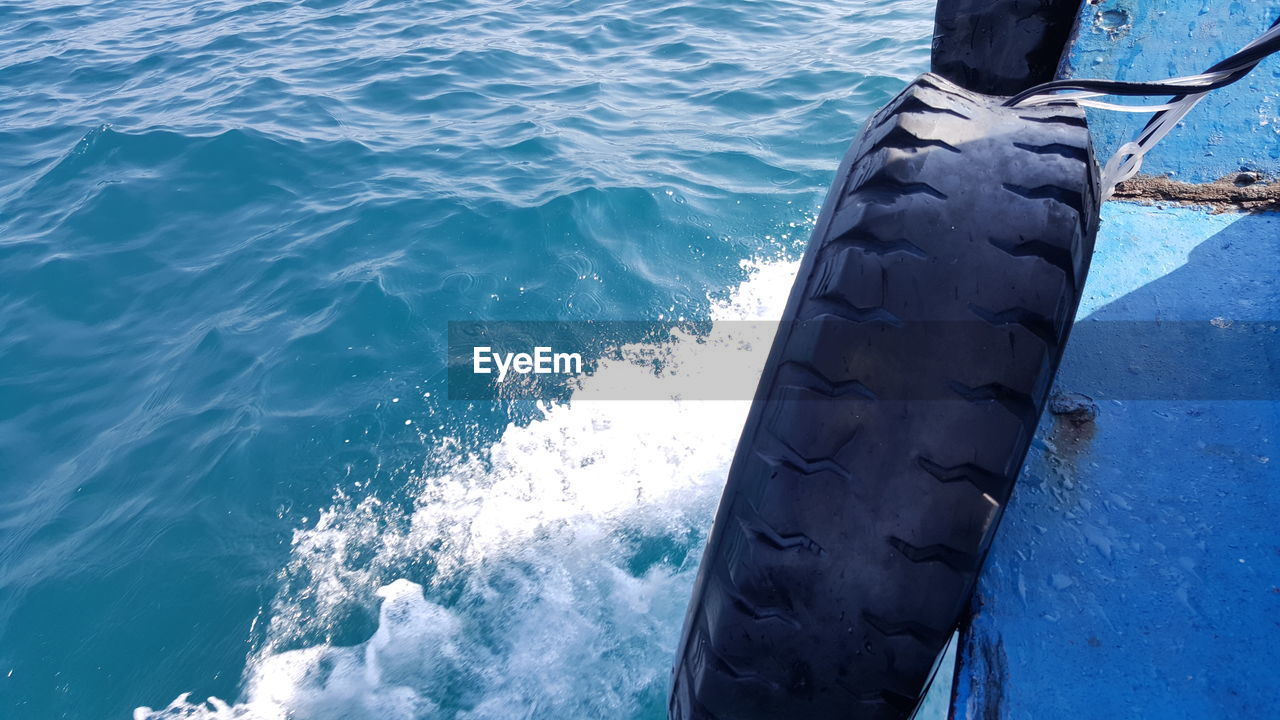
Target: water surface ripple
(231, 234)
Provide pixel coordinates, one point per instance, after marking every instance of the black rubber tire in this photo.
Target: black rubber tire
(894, 412)
(1001, 47)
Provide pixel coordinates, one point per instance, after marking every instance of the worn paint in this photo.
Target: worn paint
(1137, 570)
(1236, 128)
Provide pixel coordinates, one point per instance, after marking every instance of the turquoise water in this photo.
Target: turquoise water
(231, 236)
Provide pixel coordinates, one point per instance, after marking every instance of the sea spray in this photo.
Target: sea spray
(568, 550)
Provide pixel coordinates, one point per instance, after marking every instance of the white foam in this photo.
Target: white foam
(541, 602)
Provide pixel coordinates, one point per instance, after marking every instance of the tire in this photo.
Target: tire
(894, 411)
(1001, 47)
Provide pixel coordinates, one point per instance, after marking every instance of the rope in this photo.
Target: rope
(1187, 92)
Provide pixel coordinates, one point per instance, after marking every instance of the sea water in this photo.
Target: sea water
(232, 235)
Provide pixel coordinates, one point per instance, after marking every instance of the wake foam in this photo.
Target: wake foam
(560, 560)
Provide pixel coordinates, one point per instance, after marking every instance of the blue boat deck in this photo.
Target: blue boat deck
(1137, 571)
